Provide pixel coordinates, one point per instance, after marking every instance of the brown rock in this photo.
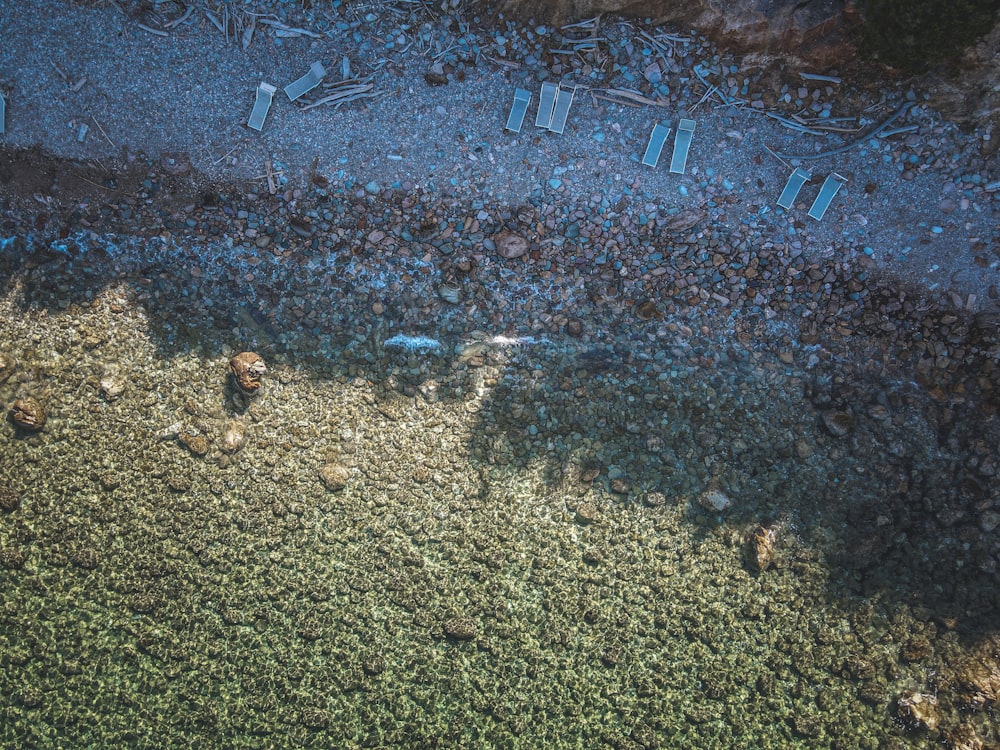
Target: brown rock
(574, 327)
(762, 547)
(685, 220)
(246, 369)
(510, 245)
(334, 476)
(28, 414)
(197, 444)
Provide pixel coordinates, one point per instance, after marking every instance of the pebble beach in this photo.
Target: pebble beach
(544, 447)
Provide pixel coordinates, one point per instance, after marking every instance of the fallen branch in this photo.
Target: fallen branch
(833, 152)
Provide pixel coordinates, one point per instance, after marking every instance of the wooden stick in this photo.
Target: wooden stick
(270, 178)
(151, 30)
(113, 144)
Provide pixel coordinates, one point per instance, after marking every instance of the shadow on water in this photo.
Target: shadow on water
(902, 491)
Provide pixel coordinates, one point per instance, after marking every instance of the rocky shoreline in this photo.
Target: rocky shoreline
(613, 462)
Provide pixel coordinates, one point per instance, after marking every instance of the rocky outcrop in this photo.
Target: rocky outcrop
(820, 32)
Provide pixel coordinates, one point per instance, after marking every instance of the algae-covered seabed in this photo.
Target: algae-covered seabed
(467, 587)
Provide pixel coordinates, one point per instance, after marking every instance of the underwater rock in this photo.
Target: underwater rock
(461, 628)
(334, 476)
(917, 648)
(762, 547)
(714, 500)
(246, 369)
(233, 437)
(28, 414)
(963, 737)
(510, 245)
(450, 292)
(197, 444)
(7, 366)
(9, 500)
(646, 310)
(12, 559)
(587, 513)
(838, 423)
(574, 327)
(918, 710)
(977, 680)
(112, 386)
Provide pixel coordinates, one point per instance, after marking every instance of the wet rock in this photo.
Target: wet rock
(762, 547)
(246, 369)
(838, 423)
(461, 628)
(918, 710)
(28, 414)
(334, 476)
(510, 245)
(574, 327)
(233, 437)
(714, 500)
(7, 366)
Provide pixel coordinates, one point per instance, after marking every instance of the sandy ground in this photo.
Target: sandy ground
(915, 202)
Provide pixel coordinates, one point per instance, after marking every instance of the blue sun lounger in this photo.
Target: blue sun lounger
(564, 98)
(831, 185)
(265, 92)
(522, 99)
(307, 82)
(682, 142)
(796, 180)
(546, 103)
(656, 140)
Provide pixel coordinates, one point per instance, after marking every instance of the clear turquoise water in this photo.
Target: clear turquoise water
(166, 598)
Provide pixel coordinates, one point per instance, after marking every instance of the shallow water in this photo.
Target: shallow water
(472, 584)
